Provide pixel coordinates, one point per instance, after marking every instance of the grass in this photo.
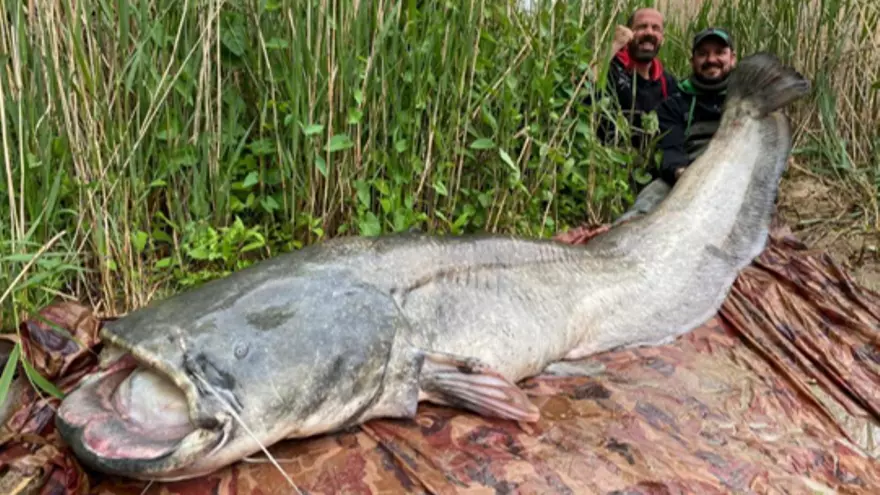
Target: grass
(150, 146)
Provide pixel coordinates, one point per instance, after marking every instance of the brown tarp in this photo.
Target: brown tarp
(726, 408)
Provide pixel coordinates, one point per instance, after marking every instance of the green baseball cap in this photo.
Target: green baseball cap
(719, 33)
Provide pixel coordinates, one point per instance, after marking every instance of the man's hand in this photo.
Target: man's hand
(622, 36)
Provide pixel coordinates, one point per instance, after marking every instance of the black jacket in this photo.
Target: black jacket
(688, 119)
(635, 94)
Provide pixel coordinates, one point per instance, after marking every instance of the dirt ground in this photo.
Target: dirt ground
(829, 218)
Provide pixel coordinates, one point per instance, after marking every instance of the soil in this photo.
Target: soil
(827, 217)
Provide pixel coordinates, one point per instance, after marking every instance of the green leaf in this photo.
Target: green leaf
(251, 179)
(363, 192)
(262, 147)
(400, 220)
(160, 236)
(490, 119)
(507, 159)
(21, 258)
(8, 371)
(642, 177)
(339, 142)
(41, 382)
(355, 116)
(140, 241)
(321, 164)
(369, 225)
(312, 129)
(483, 144)
(276, 44)
(233, 37)
(269, 204)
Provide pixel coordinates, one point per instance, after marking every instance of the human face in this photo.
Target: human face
(647, 28)
(712, 60)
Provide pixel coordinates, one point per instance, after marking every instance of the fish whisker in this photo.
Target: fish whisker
(146, 488)
(226, 403)
(222, 441)
(254, 460)
(235, 415)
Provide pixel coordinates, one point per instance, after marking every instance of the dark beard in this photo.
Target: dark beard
(711, 80)
(709, 85)
(643, 55)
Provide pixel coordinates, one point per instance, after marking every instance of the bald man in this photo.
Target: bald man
(636, 76)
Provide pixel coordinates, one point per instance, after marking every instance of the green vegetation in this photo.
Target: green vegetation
(150, 146)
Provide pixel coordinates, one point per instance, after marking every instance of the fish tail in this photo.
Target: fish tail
(761, 84)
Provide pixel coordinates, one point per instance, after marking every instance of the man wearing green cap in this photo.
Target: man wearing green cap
(689, 118)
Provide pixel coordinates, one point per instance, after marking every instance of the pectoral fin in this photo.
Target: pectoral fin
(467, 383)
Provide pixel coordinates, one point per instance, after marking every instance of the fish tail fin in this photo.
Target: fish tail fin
(761, 84)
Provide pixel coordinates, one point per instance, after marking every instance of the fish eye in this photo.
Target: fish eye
(240, 349)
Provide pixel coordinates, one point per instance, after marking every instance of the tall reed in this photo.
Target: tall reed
(149, 146)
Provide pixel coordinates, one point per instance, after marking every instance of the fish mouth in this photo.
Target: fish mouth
(132, 420)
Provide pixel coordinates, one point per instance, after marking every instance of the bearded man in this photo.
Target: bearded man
(689, 118)
(636, 75)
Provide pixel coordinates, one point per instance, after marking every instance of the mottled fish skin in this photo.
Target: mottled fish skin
(338, 333)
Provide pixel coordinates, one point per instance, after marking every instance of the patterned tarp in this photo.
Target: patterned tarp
(726, 408)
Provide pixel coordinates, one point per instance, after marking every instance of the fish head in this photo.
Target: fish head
(131, 419)
(207, 377)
